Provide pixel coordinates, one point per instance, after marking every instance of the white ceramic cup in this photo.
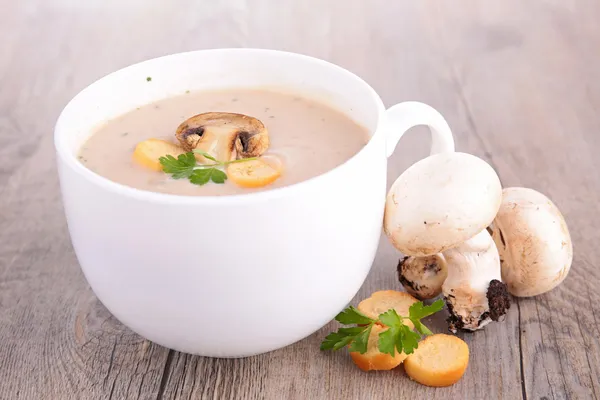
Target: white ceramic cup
(186, 272)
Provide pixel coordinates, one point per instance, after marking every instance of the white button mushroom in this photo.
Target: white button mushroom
(441, 201)
(441, 207)
(534, 242)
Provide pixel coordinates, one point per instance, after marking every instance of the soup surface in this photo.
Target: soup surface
(308, 137)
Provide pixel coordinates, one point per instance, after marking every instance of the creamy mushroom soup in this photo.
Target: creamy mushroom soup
(305, 138)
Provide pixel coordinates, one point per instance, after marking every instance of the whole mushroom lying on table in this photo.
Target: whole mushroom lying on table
(440, 213)
(534, 242)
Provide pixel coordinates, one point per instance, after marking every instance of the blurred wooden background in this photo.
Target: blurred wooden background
(519, 82)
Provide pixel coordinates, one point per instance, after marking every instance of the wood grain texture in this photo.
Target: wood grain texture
(519, 82)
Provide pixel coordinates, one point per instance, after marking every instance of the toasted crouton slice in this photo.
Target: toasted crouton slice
(373, 359)
(382, 301)
(440, 360)
(254, 173)
(148, 152)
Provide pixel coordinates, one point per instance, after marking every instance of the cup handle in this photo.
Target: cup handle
(403, 116)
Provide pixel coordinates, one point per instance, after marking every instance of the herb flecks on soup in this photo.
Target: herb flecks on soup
(304, 138)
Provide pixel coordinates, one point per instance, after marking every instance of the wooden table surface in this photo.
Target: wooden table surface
(518, 81)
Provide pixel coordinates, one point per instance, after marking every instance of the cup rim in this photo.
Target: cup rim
(65, 155)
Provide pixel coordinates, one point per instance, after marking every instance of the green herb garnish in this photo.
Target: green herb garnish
(148, 78)
(186, 166)
(398, 337)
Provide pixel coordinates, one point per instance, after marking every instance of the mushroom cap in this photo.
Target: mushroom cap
(533, 241)
(225, 136)
(440, 202)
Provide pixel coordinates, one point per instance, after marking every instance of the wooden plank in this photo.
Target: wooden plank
(518, 82)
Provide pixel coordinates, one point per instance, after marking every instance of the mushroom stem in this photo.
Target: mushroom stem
(423, 277)
(474, 293)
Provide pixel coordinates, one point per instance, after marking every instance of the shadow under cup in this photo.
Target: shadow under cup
(191, 273)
